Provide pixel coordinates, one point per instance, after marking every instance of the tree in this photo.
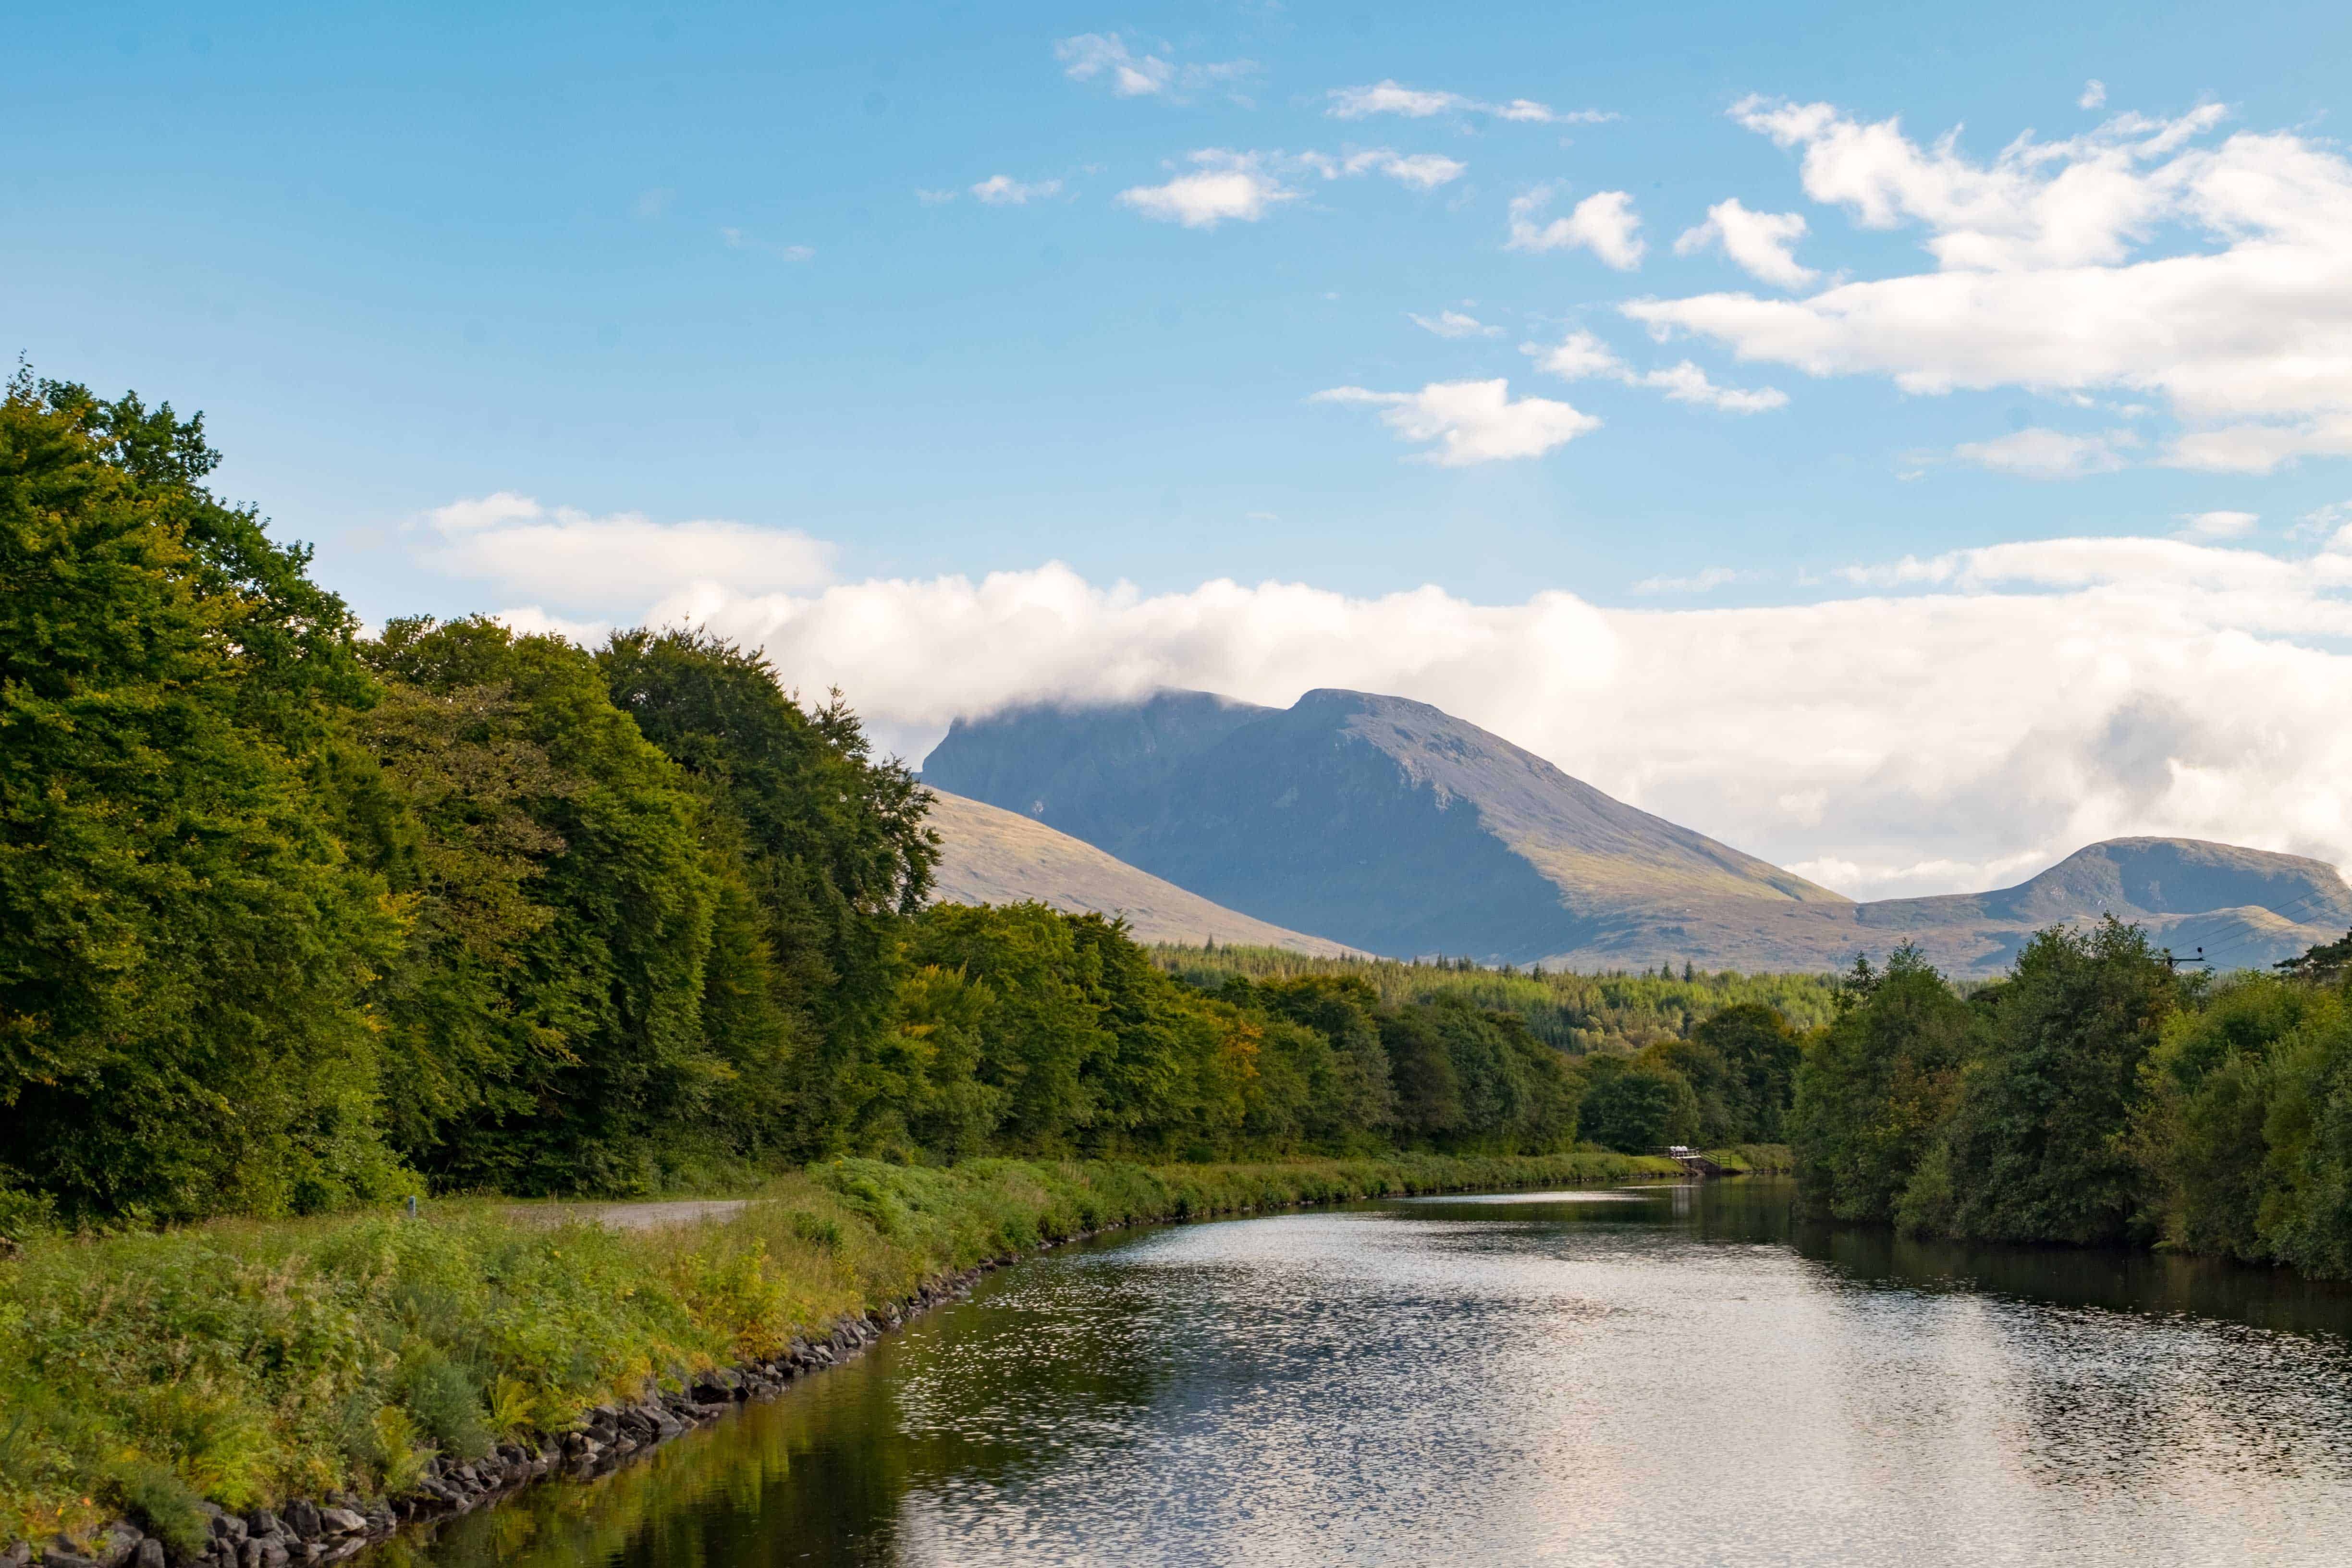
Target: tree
(1760, 1054)
(1427, 1090)
(2036, 1151)
(614, 984)
(1636, 1107)
(1043, 1033)
(2202, 1128)
(1361, 1098)
(831, 844)
(1875, 1084)
(181, 1021)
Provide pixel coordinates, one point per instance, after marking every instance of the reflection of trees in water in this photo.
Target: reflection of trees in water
(780, 1479)
(821, 1475)
(2114, 1278)
(2080, 1374)
(2110, 1370)
(2109, 1400)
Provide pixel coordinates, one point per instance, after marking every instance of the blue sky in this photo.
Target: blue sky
(736, 266)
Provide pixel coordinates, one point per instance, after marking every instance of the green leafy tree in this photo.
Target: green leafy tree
(1760, 1054)
(1874, 1085)
(437, 794)
(1637, 1107)
(1043, 1032)
(622, 1072)
(1359, 1103)
(932, 1080)
(2305, 1216)
(1427, 1090)
(182, 1027)
(830, 845)
(2203, 1124)
(2037, 1149)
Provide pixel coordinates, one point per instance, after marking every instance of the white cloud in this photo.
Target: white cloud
(2095, 95)
(2257, 448)
(1471, 421)
(1581, 355)
(2218, 524)
(1763, 244)
(2321, 521)
(1225, 183)
(1685, 383)
(1454, 324)
(1419, 103)
(1603, 223)
(1577, 356)
(1423, 170)
(934, 198)
(1954, 722)
(583, 563)
(2138, 258)
(1004, 190)
(1701, 581)
(1089, 56)
(2039, 454)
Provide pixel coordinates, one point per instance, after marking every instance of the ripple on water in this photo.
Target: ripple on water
(1562, 1378)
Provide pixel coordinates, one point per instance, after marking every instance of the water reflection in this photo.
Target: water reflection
(1688, 1374)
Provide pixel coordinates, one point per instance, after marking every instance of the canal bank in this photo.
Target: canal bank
(1449, 1380)
(163, 1390)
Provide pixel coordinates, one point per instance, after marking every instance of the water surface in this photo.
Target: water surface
(1667, 1375)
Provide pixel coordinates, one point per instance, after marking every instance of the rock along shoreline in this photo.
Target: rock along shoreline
(342, 1526)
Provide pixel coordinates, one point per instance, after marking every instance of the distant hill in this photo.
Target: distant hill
(1393, 827)
(993, 857)
(1382, 823)
(2245, 908)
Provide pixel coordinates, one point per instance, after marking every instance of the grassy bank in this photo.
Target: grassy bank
(246, 1362)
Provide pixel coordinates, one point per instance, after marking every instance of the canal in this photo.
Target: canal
(1668, 1375)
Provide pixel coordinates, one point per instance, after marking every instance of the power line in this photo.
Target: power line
(2253, 937)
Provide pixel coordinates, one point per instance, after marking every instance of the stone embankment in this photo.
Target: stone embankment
(341, 1526)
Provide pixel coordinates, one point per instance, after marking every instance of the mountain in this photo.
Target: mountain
(2243, 908)
(1378, 822)
(993, 857)
(1394, 827)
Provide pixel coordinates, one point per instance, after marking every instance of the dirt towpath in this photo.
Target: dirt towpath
(635, 1217)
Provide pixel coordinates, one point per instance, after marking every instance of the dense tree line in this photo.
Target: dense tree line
(296, 916)
(292, 916)
(2094, 1095)
(1583, 1015)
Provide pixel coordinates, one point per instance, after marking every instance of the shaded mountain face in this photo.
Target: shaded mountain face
(1384, 824)
(989, 856)
(1394, 827)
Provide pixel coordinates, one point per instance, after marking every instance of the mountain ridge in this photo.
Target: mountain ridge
(1378, 821)
(1390, 826)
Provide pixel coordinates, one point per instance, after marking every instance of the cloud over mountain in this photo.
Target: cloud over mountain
(1932, 723)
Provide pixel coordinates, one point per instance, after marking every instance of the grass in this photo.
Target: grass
(247, 1363)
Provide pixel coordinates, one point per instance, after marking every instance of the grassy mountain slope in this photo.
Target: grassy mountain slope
(1397, 828)
(1382, 823)
(989, 856)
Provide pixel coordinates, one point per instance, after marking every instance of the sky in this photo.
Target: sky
(1907, 443)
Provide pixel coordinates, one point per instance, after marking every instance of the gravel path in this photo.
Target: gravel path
(636, 1216)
